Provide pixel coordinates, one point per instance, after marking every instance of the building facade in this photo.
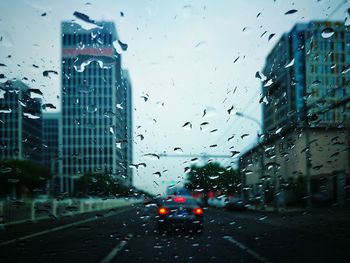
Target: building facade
(305, 152)
(93, 130)
(21, 123)
(304, 75)
(50, 141)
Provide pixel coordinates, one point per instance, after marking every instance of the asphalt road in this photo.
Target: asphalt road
(128, 235)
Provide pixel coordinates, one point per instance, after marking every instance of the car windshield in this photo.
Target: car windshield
(174, 130)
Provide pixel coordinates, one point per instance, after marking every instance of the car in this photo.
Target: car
(179, 213)
(218, 202)
(235, 203)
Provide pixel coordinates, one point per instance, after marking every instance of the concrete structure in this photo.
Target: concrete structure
(305, 151)
(94, 127)
(20, 123)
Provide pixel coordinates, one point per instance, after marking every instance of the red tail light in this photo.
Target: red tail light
(198, 211)
(162, 211)
(179, 199)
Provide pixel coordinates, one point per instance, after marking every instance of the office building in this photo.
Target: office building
(305, 74)
(20, 122)
(95, 114)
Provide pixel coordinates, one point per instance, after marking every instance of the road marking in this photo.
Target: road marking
(248, 250)
(58, 228)
(115, 250)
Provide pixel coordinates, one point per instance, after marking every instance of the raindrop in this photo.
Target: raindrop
(43, 14)
(187, 125)
(140, 137)
(292, 11)
(262, 218)
(5, 110)
(187, 169)
(157, 174)
(31, 116)
(2, 65)
(257, 75)
(278, 130)
(35, 66)
(230, 138)
(268, 82)
(91, 108)
(145, 97)
(209, 112)
(213, 177)
(48, 106)
(47, 73)
(327, 32)
(235, 60)
(152, 156)
(291, 63)
(346, 69)
(85, 88)
(178, 149)
(122, 45)
(121, 13)
(230, 109)
(200, 44)
(271, 36)
(214, 131)
(83, 17)
(109, 114)
(119, 106)
(234, 153)
(213, 146)
(244, 135)
(111, 130)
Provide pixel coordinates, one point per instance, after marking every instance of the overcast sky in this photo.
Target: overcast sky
(186, 56)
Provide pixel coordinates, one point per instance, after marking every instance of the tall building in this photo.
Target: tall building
(93, 124)
(20, 123)
(305, 151)
(50, 140)
(305, 73)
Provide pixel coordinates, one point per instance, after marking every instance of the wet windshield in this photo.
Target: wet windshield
(111, 109)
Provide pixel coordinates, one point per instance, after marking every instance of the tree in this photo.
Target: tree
(20, 176)
(212, 177)
(99, 184)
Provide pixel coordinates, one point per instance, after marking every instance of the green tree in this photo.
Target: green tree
(212, 177)
(99, 184)
(22, 176)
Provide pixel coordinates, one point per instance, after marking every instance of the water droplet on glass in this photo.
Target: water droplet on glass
(292, 11)
(289, 64)
(187, 126)
(152, 156)
(109, 114)
(122, 45)
(327, 32)
(346, 69)
(178, 150)
(31, 115)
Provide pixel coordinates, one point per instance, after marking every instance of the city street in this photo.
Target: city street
(127, 235)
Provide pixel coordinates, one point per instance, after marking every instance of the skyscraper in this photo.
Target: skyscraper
(93, 117)
(50, 140)
(21, 123)
(305, 72)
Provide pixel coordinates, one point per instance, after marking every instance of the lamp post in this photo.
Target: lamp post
(262, 161)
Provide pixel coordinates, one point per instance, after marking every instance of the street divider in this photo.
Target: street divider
(17, 212)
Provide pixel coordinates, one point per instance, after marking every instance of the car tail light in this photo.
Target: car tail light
(198, 211)
(179, 199)
(162, 211)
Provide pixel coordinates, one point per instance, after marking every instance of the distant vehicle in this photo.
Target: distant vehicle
(218, 202)
(180, 213)
(235, 203)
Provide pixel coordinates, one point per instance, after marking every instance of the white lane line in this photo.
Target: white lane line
(58, 228)
(248, 250)
(115, 250)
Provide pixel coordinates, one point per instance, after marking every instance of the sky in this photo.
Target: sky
(185, 56)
